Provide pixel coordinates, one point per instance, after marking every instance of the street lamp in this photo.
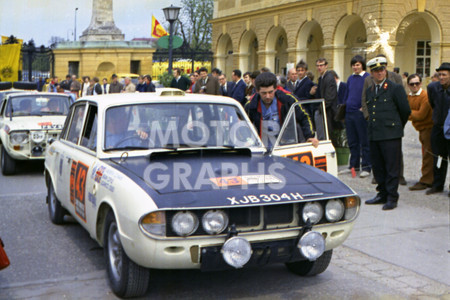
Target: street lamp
(171, 14)
(75, 28)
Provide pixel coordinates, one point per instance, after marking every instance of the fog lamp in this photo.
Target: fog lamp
(236, 252)
(312, 245)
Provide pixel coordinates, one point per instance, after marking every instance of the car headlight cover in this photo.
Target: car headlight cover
(214, 221)
(38, 136)
(334, 210)
(154, 223)
(184, 223)
(236, 252)
(19, 137)
(312, 211)
(312, 245)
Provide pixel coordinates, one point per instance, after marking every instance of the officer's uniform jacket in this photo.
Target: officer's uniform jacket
(388, 111)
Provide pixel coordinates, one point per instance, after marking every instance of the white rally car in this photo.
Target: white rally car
(27, 121)
(183, 181)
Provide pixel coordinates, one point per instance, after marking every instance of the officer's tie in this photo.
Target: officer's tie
(377, 88)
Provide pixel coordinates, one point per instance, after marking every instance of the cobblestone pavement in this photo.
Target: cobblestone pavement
(407, 248)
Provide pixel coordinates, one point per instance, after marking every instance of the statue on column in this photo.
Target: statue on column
(102, 27)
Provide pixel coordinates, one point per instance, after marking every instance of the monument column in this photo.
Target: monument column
(102, 27)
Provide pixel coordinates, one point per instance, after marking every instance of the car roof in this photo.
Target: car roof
(41, 94)
(104, 101)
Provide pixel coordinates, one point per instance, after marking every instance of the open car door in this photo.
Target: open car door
(292, 144)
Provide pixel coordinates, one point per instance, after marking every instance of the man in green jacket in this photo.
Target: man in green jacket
(388, 109)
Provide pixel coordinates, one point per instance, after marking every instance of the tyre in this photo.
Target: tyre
(126, 278)
(55, 211)
(8, 163)
(311, 268)
(5, 85)
(25, 85)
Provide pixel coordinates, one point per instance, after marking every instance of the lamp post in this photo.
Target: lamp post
(171, 14)
(75, 27)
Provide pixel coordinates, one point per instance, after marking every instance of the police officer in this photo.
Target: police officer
(389, 110)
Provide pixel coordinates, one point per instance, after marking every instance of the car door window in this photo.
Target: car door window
(77, 124)
(89, 137)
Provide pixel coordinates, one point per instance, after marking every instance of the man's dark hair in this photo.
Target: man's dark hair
(68, 76)
(265, 69)
(358, 59)
(397, 70)
(114, 76)
(255, 74)
(247, 73)
(406, 74)
(302, 64)
(216, 70)
(202, 69)
(414, 76)
(322, 59)
(265, 79)
(148, 77)
(238, 73)
(178, 70)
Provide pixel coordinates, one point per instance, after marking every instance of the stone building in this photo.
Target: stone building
(250, 34)
(102, 50)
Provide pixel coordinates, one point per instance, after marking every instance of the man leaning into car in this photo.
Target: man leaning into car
(269, 107)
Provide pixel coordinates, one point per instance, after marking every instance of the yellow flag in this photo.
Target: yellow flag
(9, 62)
(157, 29)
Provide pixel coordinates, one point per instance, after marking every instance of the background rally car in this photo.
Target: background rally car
(176, 182)
(27, 121)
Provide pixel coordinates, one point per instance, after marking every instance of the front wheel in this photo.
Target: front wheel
(311, 268)
(8, 163)
(126, 278)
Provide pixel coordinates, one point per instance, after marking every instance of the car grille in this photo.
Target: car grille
(248, 219)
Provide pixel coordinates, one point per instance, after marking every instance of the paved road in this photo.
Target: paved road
(400, 254)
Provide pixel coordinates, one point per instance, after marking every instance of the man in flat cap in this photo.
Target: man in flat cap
(439, 98)
(388, 111)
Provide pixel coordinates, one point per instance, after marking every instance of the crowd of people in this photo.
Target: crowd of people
(371, 107)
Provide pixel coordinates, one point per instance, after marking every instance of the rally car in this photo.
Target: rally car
(178, 181)
(27, 121)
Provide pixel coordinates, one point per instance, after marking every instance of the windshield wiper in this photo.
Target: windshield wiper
(51, 113)
(127, 148)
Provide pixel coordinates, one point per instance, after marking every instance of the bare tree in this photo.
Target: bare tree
(193, 24)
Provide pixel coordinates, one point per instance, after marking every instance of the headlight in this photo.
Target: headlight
(184, 223)
(312, 211)
(351, 207)
(37, 136)
(214, 221)
(236, 252)
(334, 210)
(154, 223)
(19, 137)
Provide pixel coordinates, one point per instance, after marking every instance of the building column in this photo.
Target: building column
(266, 58)
(219, 60)
(243, 61)
(436, 52)
(339, 59)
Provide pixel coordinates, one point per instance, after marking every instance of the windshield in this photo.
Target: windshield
(37, 105)
(173, 126)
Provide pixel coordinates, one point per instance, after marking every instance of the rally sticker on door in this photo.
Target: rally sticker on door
(78, 175)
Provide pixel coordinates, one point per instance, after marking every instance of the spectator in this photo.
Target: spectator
(269, 107)
(225, 86)
(238, 90)
(292, 80)
(149, 86)
(249, 83)
(327, 90)
(129, 87)
(422, 121)
(404, 81)
(52, 87)
(439, 98)
(385, 128)
(355, 123)
(207, 84)
(75, 86)
(216, 73)
(341, 87)
(178, 81)
(115, 86)
(85, 86)
(193, 77)
(253, 76)
(140, 87)
(435, 77)
(65, 84)
(105, 86)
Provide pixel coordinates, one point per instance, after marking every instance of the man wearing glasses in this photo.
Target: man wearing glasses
(388, 110)
(421, 120)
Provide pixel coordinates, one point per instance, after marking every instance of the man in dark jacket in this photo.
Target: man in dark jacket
(115, 86)
(207, 84)
(178, 81)
(239, 88)
(149, 87)
(388, 110)
(269, 107)
(225, 86)
(439, 98)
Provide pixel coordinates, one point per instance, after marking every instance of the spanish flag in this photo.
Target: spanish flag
(157, 30)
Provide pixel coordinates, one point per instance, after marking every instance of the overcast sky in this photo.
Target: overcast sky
(41, 19)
